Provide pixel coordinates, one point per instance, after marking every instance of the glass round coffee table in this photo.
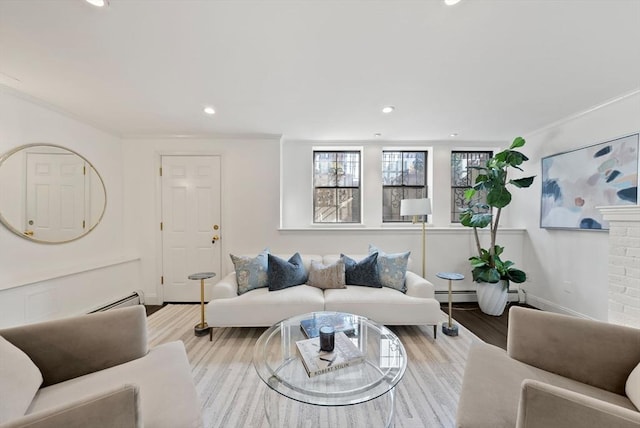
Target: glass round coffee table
(278, 364)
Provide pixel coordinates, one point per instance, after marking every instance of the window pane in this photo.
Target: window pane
(324, 205)
(463, 177)
(337, 205)
(324, 173)
(391, 168)
(391, 197)
(413, 167)
(348, 169)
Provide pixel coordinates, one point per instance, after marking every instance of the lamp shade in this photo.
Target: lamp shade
(415, 206)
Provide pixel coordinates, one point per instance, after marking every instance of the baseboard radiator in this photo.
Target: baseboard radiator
(135, 298)
(464, 296)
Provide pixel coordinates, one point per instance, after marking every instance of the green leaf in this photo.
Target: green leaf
(522, 182)
(499, 197)
(518, 142)
(507, 264)
(469, 193)
(480, 220)
(485, 275)
(516, 275)
(514, 158)
(477, 262)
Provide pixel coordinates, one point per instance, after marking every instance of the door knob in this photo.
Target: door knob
(214, 239)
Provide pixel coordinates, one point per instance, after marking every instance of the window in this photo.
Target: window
(404, 176)
(336, 186)
(463, 177)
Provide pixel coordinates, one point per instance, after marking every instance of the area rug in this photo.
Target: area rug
(232, 394)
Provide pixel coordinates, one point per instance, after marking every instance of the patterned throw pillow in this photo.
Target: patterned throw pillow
(251, 272)
(285, 273)
(364, 272)
(392, 268)
(331, 276)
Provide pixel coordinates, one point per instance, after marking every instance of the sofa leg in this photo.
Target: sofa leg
(435, 331)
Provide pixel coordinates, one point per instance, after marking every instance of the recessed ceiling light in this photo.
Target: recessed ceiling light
(388, 109)
(377, 135)
(98, 3)
(451, 2)
(210, 110)
(453, 135)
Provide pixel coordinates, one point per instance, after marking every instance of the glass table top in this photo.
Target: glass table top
(278, 363)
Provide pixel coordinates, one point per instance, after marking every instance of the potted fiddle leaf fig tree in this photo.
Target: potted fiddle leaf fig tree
(488, 269)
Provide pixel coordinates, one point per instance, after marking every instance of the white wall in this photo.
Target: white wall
(569, 268)
(250, 183)
(41, 281)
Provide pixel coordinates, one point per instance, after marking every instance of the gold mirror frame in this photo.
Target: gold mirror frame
(20, 198)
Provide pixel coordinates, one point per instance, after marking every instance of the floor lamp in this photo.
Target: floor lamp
(416, 207)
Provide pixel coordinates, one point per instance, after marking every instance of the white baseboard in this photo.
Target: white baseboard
(545, 305)
(468, 296)
(152, 299)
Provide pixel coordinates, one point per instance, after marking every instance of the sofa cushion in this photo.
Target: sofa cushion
(383, 305)
(251, 272)
(167, 395)
(21, 380)
(327, 276)
(363, 272)
(632, 386)
(263, 308)
(491, 377)
(392, 268)
(285, 273)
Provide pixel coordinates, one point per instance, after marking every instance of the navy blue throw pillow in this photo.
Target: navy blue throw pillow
(364, 272)
(285, 273)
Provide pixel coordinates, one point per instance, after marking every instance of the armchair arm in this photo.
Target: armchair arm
(543, 405)
(67, 348)
(226, 288)
(592, 352)
(417, 286)
(118, 408)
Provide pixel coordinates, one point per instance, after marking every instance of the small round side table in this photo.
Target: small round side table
(449, 328)
(201, 328)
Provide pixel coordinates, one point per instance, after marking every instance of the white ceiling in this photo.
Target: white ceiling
(322, 70)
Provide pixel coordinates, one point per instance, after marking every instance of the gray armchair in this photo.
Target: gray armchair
(558, 371)
(95, 371)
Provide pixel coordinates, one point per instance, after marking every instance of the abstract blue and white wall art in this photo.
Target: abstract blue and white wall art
(575, 183)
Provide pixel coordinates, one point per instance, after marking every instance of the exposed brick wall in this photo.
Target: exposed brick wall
(624, 264)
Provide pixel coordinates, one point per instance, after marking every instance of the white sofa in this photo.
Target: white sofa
(261, 307)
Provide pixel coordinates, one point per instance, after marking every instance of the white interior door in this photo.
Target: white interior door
(190, 221)
(55, 196)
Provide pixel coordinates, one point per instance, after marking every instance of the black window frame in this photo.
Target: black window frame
(418, 191)
(459, 189)
(338, 187)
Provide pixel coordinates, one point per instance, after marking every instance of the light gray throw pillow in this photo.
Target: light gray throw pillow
(632, 387)
(20, 380)
(331, 276)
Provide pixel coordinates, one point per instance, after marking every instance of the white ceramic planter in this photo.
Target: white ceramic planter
(492, 298)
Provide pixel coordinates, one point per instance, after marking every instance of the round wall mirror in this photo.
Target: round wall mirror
(50, 194)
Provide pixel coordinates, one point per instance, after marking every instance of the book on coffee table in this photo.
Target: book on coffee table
(339, 322)
(315, 361)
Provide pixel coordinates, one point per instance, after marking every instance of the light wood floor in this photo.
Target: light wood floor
(491, 329)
